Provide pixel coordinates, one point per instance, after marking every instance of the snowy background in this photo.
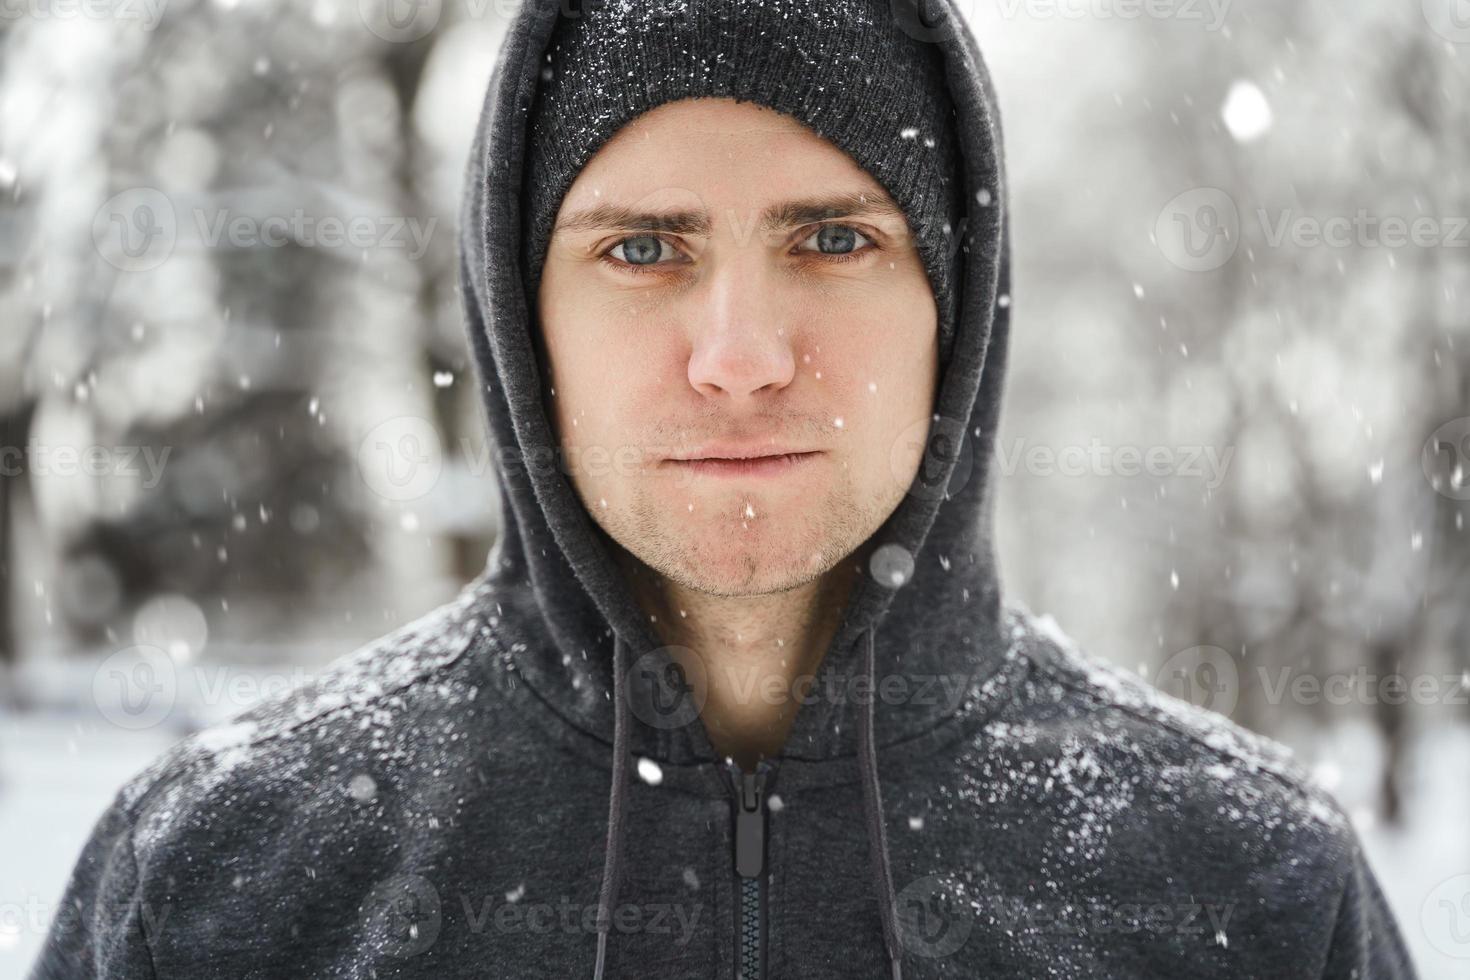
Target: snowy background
(1237, 425)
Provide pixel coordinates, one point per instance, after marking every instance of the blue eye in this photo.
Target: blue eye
(639, 250)
(838, 239)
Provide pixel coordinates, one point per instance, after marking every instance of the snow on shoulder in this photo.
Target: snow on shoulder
(1236, 763)
(353, 711)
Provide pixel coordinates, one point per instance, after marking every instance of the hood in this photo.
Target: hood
(931, 611)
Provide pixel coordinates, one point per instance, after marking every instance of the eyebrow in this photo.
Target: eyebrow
(783, 214)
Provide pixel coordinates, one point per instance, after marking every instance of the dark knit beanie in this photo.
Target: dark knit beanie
(844, 68)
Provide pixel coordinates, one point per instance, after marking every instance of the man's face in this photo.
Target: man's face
(693, 305)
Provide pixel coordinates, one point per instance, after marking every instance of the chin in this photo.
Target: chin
(718, 551)
(724, 565)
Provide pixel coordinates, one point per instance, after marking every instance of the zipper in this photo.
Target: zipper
(750, 791)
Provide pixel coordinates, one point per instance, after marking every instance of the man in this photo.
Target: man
(737, 288)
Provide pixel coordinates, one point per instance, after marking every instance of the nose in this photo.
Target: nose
(742, 344)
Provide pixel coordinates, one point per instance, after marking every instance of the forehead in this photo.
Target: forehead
(715, 150)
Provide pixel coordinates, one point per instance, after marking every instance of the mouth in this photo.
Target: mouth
(746, 466)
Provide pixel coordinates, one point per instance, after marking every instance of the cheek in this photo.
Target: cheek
(606, 409)
(635, 364)
(893, 384)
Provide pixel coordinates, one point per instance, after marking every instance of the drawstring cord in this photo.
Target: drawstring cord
(612, 857)
(872, 807)
(873, 804)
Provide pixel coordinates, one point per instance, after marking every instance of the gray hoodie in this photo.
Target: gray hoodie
(518, 784)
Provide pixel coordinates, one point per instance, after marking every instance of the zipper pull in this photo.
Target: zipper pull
(750, 825)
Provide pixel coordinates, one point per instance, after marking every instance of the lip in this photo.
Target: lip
(738, 450)
(747, 466)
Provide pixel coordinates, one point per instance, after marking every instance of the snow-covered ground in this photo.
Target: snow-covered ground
(57, 775)
(58, 771)
(1424, 867)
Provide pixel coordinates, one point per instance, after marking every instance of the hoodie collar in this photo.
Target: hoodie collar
(930, 600)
